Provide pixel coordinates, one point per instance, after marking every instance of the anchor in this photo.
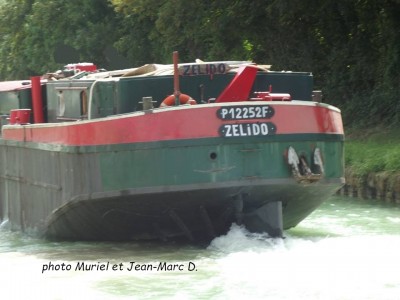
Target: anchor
(300, 169)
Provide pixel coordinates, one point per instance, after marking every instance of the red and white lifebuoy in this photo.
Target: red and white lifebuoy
(183, 99)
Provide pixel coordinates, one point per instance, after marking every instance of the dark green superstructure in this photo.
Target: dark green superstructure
(69, 100)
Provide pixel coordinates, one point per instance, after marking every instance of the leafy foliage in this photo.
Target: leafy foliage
(352, 47)
(27, 46)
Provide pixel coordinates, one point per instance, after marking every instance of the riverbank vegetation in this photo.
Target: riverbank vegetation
(352, 48)
(373, 151)
(373, 164)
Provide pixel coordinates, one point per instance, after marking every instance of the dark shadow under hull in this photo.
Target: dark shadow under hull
(193, 214)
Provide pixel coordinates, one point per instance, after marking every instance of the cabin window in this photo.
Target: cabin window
(61, 104)
(83, 99)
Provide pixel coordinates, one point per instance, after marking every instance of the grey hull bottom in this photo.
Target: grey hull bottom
(196, 214)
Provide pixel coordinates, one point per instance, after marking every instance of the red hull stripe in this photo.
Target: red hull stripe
(176, 123)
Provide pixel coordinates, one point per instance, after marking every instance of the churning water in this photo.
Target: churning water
(348, 249)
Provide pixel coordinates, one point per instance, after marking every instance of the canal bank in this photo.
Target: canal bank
(383, 186)
(373, 164)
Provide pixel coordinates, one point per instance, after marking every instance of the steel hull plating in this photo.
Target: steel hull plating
(206, 212)
(119, 179)
(67, 206)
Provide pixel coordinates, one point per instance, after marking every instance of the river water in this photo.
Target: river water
(347, 249)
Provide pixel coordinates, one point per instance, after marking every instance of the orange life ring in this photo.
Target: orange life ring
(183, 99)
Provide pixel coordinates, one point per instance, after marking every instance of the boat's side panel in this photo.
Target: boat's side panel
(167, 164)
(68, 100)
(35, 182)
(204, 87)
(201, 121)
(159, 167)
(38, 180)
(14, 99)
(16, 95)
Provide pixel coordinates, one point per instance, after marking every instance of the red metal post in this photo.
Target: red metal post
(37, 101)
(176, 77)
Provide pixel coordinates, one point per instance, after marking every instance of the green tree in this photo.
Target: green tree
(137, 38)
(352, 47)
(13, 16)
(29, 46)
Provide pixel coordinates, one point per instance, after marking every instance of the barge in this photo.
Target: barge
(166, 152)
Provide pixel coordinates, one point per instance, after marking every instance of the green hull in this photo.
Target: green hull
(189, 188)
